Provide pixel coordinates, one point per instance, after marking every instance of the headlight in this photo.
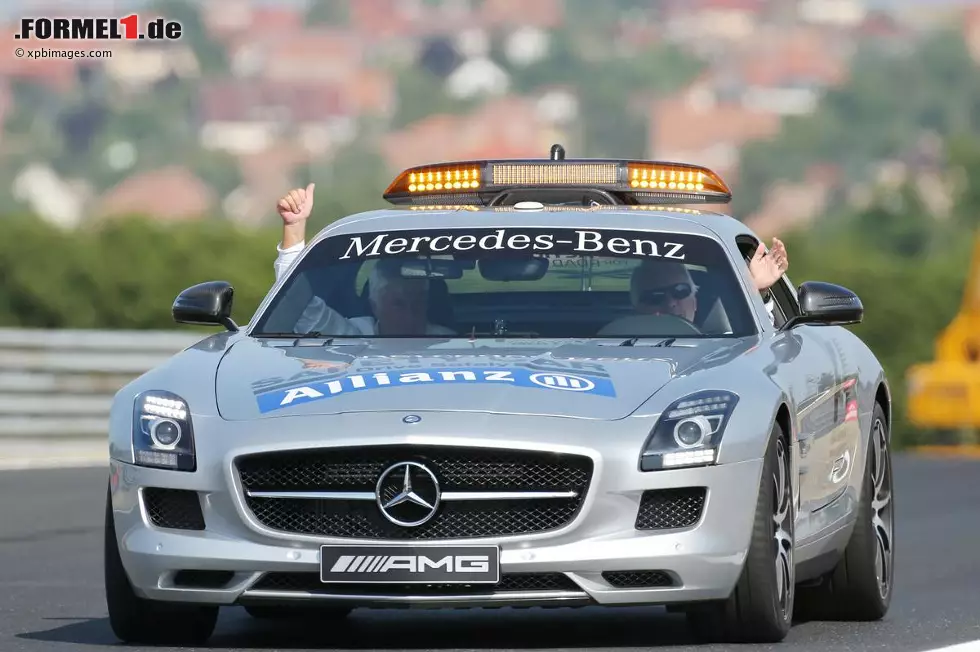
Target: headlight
(689, 431)
(162, 432)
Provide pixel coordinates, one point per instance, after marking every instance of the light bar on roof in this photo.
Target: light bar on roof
(554, 174)
(632, 182)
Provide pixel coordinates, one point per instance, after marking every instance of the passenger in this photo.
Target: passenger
(665, 287)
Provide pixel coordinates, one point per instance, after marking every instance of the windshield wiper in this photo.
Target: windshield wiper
(633, 340)
(312, 335)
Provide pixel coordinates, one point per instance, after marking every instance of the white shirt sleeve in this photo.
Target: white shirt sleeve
(317, 315)
(286, 258)
(770, 306)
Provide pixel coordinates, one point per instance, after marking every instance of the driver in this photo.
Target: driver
(399, 305)
(660, 287)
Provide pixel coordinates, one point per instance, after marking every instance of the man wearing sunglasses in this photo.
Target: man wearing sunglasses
(659, 287)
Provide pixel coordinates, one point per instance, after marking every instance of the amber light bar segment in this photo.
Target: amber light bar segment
(438, 179)
(677, 178)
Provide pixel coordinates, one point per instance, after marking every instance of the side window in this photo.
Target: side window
(785, 297)
(785, 300)
(746, 246)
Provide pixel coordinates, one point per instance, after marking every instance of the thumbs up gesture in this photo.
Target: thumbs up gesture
(296, 205)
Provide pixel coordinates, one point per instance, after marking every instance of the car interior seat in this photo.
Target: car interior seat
(711, 317)
(441, 304)
(716, 321)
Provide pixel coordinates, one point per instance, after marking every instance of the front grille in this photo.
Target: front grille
(668, 509)
(177, 509)
(509, 583)
(457, 469)
(637, 579)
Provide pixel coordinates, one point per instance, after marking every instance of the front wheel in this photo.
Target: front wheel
(760, 609)
(860, 587)
(137, 620)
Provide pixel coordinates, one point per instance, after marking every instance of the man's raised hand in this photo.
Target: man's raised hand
(296, 205)
(767, 266)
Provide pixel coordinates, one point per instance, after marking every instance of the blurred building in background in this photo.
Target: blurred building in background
(257, 97)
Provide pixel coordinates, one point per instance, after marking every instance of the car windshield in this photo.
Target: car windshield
(519, 283)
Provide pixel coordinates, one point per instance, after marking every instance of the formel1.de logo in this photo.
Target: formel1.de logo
(98, 29)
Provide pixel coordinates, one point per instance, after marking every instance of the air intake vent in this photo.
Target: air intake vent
(202, 579)
(637, 579)
(669, 509)
(177, 509)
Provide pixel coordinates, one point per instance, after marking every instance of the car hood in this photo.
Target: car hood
(271, 378)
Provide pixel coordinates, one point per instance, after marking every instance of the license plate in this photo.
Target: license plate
(410, 564)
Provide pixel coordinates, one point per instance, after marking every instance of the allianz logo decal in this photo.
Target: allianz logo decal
(515, 377)
(410, 563)
(372, 365)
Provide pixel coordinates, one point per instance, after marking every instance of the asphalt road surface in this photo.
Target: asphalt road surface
(51, 585)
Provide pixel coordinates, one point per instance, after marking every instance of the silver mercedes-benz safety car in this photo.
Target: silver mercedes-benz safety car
(538, 382)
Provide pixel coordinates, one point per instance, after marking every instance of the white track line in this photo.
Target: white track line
(19, 454)
(80, 462)
(972, 646)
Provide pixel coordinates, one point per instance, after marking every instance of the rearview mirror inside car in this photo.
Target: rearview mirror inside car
(431, 268)
(513, 269)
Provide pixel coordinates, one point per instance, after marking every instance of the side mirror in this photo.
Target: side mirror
(206, 303)
(826, 303)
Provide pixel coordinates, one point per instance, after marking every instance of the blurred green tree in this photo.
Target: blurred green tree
(881, 113)
(964, 166)
(211, 56)
(352, 181)
(609, 126)
(328, 12)
(422, 94)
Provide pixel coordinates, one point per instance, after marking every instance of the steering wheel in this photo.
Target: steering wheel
(649, 326)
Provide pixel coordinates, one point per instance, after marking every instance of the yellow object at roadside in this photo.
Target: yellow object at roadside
(945, 393)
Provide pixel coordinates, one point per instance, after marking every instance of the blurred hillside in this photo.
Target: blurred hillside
(802, 106)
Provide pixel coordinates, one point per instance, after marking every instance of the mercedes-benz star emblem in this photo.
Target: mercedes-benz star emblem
(408, 494)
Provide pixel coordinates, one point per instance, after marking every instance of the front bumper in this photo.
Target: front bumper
(227, 562)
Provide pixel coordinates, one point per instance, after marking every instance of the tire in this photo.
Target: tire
(137, 620)
(760, 608)
(860, 586)
(298, 612)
